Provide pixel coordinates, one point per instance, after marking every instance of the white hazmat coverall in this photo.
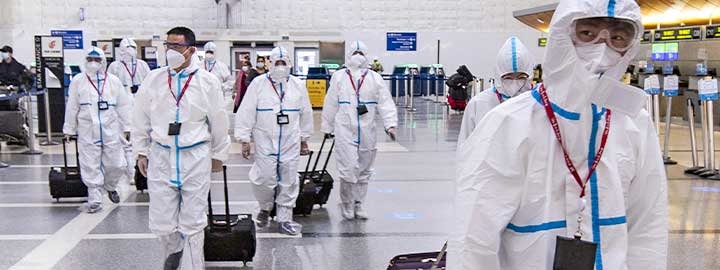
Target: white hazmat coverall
(100, 132)
(513, 57)
(180, 165)
(515, 194)
(355, 134)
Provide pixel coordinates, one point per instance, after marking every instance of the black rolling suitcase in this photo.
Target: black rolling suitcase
(140, 180)
(308, 193)
(229, 238)
(420, 261)
(322, 178)
(66, 182)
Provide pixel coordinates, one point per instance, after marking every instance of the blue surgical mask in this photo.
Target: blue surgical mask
(5, 55)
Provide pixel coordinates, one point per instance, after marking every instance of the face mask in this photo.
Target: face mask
(5, 55)
(280, 73)
(245, 68)
(261, 64)
(174, 59)
(598, 58)
(130, 52)
(92, 67)
(357, 61)
(209, 57)
(514, 87)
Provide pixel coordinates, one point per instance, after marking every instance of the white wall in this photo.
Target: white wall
(471, 31)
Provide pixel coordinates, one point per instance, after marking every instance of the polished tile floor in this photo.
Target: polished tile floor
(409, 200)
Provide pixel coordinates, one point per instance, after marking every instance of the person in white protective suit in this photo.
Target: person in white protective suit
(514, 67)
(131, 71)
(276, 114)
(178, 127)
(218, 68)
(355, 96)
(98, 111)
(515, 191)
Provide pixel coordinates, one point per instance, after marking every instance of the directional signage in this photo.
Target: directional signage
(401, 41)
(72, 39)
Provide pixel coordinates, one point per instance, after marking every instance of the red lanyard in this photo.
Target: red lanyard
(132, 75)
(568, 162)
(357, 89)
(211, 68)
(182, 92)
(99, 91)
(272, 83)
(499, 96)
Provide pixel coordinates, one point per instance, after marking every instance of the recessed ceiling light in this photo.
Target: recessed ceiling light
(540, 20)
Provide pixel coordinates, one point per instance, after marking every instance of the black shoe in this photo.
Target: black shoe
(114, 197)
(172, 262)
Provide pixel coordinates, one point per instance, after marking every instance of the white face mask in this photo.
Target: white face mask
(130, 52)
(598, 58)
(174, 58)
(5, 55)
(261, 64)
(245, 68)
(209, 57)
(357, 61)
(280, 73)
(92, 67)
(513, 87)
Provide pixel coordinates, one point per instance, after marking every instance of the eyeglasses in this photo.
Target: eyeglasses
(176, 46)
(619, 34)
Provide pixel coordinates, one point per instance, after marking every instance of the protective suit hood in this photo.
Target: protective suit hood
(513, 57)
(96, 52)
(126, 42)
(569, 84)
(357, 46)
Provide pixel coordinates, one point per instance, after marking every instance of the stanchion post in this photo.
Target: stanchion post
(693, 142)
(31, 137)
(48, 126)
(411, 107)
(713, 174)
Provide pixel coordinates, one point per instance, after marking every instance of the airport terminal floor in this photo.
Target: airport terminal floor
(409, 202)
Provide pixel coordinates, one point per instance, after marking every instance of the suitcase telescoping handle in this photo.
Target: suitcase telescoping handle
(327, 160)
(306, 175)
(439, 257)
(228, 224)
(77, 153)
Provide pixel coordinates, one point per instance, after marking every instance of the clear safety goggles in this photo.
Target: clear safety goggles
(93, 59)
(176, 46)
(619, 34)
(510, 80)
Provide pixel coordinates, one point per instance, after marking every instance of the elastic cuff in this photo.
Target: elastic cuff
(220, 157)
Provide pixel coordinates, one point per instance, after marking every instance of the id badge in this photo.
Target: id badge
(362, 109)
(283, 119)
(174, 129)
(574, 254)
(134, 89)
(103, 105)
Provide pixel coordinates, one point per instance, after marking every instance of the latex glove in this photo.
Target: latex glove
(68, 137)
(217, 165)
(304, 149)
(142, 163)
(391, 133)
(246, 150)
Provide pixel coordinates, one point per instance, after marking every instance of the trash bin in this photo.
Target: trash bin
(399, 80)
